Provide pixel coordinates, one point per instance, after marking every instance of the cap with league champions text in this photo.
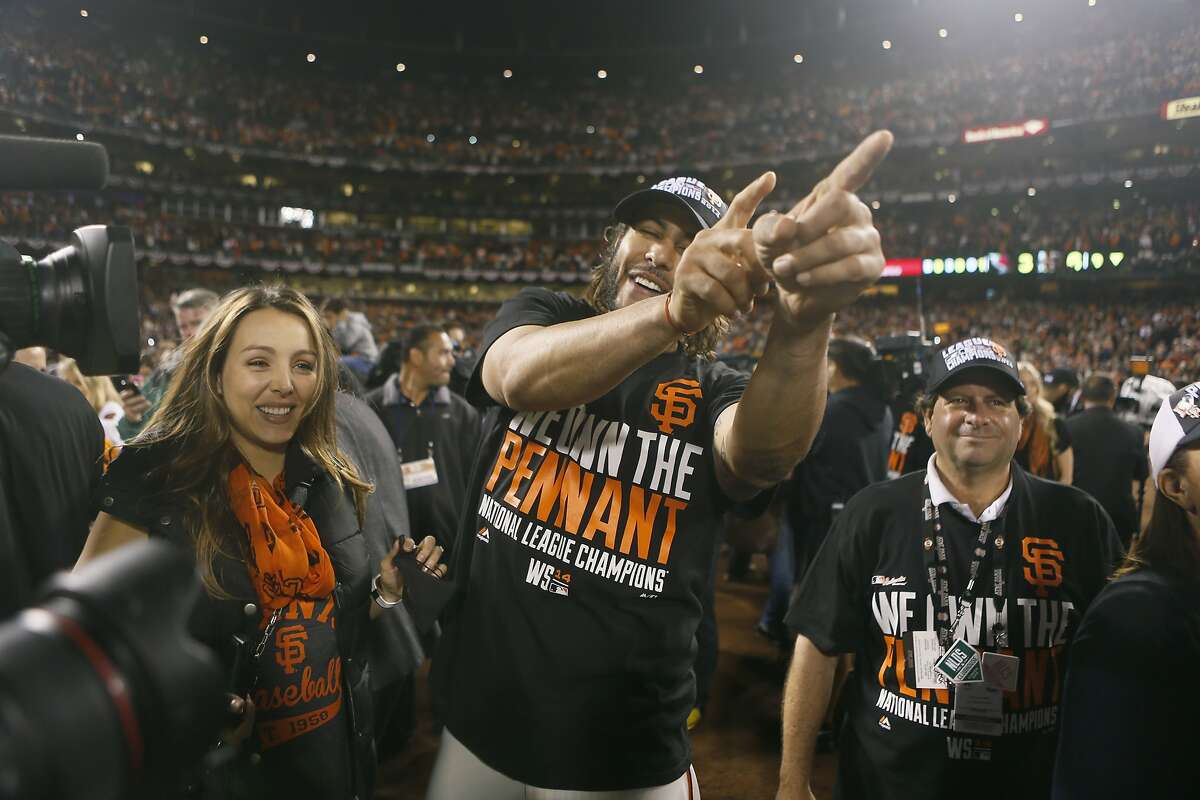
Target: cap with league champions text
(688, 194)
(974, 353)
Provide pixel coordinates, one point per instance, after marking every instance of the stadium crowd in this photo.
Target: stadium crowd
(163, 89)
(1151, 233)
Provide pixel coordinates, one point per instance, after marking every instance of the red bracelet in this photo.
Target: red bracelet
(671, 322)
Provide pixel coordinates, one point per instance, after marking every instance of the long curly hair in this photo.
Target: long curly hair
(193, 420)
(601, 295)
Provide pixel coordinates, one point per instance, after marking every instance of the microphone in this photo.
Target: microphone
(31, 164)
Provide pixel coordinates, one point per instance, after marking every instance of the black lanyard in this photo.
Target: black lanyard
(938, 569)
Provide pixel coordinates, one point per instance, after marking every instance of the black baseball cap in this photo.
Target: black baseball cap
(689, 194)
(1057, 377)
(974, 353)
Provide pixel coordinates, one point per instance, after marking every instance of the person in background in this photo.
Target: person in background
(34, 357)
(434, 430)
(351, 333)
(240, 463)
(1061, 388)
(191, 308)
(464, 358)
(1130, 692)
(1044, 448)
(849, 454)
(1111, 454)
(100, 394)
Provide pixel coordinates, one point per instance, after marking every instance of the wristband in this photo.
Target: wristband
(671, 322)
(378, 597)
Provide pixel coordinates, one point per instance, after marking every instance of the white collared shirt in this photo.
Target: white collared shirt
(938, 493)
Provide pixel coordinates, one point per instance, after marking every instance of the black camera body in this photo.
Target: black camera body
(81, 300)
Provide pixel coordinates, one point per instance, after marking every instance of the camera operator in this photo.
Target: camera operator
(51, 445)
(241, 463)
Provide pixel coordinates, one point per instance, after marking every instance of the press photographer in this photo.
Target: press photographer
(80, 300)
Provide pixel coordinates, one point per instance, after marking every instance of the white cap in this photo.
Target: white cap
(1177, 425)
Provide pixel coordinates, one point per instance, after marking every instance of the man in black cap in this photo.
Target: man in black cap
(958, 589)
(1062, 390)
(567, 661)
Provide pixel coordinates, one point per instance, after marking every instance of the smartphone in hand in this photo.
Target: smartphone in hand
(121, 383)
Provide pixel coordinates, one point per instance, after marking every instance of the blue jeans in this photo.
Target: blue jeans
(783, 575)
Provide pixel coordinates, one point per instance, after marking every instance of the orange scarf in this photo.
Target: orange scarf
(287, 560)
(1034, 437)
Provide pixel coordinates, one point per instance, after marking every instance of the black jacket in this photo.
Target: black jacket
(51, 445)
(1109, 457)
(129, 492)
(849, 454)
(451, 425)
(396, 649)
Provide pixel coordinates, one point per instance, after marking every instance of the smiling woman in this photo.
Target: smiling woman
(241, 463)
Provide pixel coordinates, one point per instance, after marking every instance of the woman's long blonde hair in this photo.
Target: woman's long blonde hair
(193, 420)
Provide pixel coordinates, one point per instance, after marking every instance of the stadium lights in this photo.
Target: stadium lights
(1032, 192)
(401, 67)
(83, 12)
(887, 44)
(1091, 3)
(430, 138)
(943, 33)
(698, 69)
(1128, 184)
(1116, 205)
(311, 57)
(591, 128)
(507, 73)
(203, 39)
(798, 58)
(952, 198)
(1018, 17)
(472, 140)
(601, 74)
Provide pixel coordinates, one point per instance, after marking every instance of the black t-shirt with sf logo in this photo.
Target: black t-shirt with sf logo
(868, 590)
(585, 551)
(299, 720)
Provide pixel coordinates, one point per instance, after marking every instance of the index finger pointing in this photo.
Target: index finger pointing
(747, 201)
(856, 168)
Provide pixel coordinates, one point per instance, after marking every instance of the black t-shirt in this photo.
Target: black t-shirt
(300, 715)
(568, 664)
(868, 590)
(1131, 693)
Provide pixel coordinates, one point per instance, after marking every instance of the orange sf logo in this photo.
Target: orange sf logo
(289, 647)
(1044, 561)
(1000, 352)
(678, 406)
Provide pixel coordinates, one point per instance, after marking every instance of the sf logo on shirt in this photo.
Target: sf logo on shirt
(677, 408)
(289, 644)
(1044, 563)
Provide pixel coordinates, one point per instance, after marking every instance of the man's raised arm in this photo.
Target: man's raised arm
(534, 368)
(822, 254)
